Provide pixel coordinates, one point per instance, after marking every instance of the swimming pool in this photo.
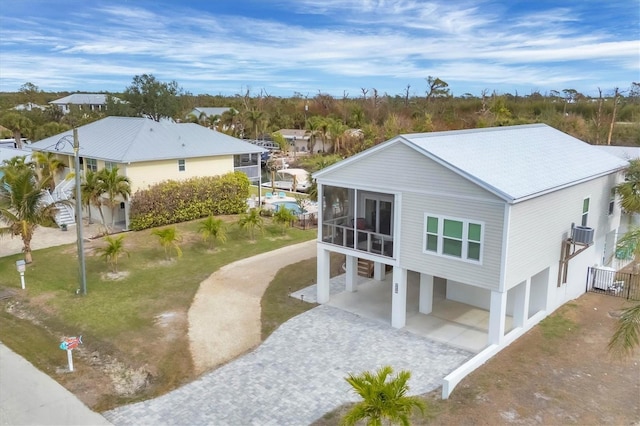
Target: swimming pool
(290, 205)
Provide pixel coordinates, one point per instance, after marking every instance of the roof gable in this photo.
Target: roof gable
(132, 139)
(515, 163)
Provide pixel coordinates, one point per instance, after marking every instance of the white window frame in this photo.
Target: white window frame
(109, 165)
(585, 214)
(612, 201)
(465, 238)
(182, 165)
(91, 164)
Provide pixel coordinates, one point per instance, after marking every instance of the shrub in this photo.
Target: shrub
(180, 201)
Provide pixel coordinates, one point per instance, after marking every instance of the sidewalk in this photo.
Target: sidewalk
(30, 397)
(47, 237)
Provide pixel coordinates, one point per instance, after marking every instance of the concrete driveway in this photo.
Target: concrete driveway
(297, 375)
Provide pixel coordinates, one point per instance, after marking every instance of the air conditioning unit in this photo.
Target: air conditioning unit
(582, 235)
(603, 278)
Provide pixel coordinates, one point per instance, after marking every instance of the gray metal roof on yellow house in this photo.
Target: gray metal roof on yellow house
(133, 139)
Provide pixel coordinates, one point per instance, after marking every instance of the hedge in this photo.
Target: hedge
(180, 201)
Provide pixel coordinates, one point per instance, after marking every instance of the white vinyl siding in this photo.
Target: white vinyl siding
(413, 256)
(539, 225)
(399, 167)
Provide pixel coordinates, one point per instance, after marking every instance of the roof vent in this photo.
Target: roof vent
(582, 235)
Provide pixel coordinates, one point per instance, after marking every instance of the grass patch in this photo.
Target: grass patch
(276, 304)
(119, 318)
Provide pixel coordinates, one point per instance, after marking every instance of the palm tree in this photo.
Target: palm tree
(251, 221)
(213, 229)
(112, 251)
(336, 130)
(626, 338)
(47, 166)
(284, 217)
(91, 193)
(381, 398)
(18, 124)
(254, 116)
(169, 238)
(21, 206)
(312, 130)
(115, 186)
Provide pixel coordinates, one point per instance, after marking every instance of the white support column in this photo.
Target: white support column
(323, 268)
(352, 274)
(520, 303)
(497, 314)
(399, 298)
(379, 271)
(426, 294)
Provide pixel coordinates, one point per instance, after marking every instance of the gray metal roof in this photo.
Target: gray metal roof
(132, 139)
(624, 152)
(515, 163)
(82, 99)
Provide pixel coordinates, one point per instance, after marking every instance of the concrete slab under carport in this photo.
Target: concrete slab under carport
(454, 323)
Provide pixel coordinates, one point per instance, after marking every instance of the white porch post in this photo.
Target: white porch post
(426, 294)
(324, 285)
(399, 298)
(497, 314)
(352, 273)
(379, 271)
(520, 303)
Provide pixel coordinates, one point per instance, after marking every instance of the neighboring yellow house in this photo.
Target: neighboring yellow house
(148, 152)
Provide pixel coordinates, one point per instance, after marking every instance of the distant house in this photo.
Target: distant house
(502, 223)
(297, 138)
(28, 107)
(208, 112)
(84, 101)
(148, 152)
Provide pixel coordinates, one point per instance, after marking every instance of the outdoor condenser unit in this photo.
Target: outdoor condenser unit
(582, 235)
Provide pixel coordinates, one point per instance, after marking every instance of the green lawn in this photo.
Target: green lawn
(118, 318)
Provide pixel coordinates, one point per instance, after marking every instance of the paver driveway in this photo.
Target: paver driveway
(297, 375)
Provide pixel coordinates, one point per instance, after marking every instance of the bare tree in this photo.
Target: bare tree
(406, 95)
(616, 99)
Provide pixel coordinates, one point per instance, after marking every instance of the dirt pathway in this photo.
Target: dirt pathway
(229, 301)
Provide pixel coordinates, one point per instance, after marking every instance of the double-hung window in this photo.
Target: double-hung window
(92, 164)
(451, 237)
(181, 165)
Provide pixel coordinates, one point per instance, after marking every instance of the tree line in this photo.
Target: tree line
(613, 117)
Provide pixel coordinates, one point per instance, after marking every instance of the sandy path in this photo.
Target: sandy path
(224, 318)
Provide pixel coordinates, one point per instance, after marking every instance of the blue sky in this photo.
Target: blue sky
(332, 46)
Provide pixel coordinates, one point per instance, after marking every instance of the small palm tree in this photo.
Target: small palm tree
(91, 193)
(382, 398)
(284, 217)
(115, 186)
(112, 251)
(251, 221)
(169, 238)
(47, 167)
(213, 229)
(21, 206)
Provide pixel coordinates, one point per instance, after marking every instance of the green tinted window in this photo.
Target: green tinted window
(473, 251)
(474, 231)
(432, 243)
(452, 247)
(432, 225)
(585, 205)
(452, 228)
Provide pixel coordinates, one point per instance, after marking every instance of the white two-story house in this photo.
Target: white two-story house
(505, 219)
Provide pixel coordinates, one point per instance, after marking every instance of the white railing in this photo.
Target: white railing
(335, 232)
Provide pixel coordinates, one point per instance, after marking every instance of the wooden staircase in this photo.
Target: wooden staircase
(365, 268)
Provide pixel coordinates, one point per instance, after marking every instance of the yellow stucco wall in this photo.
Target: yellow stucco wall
(147, 173)
(142, 175)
